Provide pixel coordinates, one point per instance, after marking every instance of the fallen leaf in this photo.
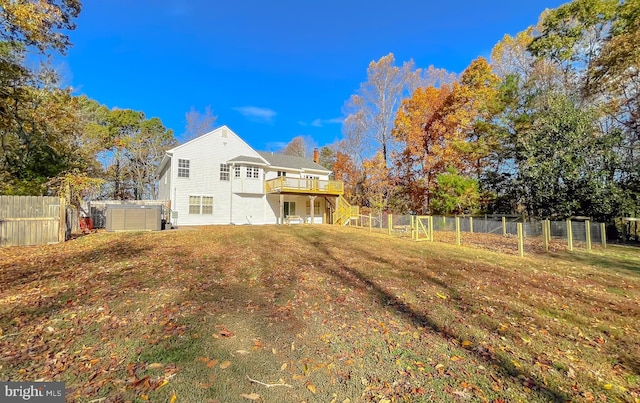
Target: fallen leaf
(251, 396)
(155, 365)
(311, 388)
(224, 332)
(283, 367)
(225, 364)
(212, 363)
(441, 296)
(242, 352)
(163, 383)
(173, 398)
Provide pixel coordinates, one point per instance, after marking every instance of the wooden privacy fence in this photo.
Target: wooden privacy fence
(32, 220)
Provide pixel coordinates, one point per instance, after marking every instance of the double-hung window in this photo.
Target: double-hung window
(200, 205)
(183, 168)
(224, 172)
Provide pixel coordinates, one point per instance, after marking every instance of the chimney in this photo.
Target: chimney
(316, 156)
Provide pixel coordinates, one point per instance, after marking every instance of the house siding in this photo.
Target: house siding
(164, 184)
(239, 200)
(205, 154)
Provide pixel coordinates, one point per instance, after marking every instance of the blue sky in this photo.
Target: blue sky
(270, 70)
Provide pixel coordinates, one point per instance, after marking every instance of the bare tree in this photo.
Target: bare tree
(199, 123)
(370, 112)
(296, 147)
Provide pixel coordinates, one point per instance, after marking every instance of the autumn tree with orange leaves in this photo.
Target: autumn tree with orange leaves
(442, 128)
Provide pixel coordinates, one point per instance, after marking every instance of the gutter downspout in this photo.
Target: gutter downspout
(232, 173)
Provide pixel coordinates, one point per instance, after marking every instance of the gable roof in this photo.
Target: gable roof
(291, 162)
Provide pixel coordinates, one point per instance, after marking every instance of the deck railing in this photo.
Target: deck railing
(303, 185)
(344, 212)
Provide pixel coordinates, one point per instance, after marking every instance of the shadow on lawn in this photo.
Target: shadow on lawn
(354, 278)
(348, 275)
(607, 261)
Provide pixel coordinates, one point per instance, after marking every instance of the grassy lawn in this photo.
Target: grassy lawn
(317, 313)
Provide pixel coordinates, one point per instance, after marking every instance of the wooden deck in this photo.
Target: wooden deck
(304, 186)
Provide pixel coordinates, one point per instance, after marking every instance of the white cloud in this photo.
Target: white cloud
(322, 122)
(256, 113)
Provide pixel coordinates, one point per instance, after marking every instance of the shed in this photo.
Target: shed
(131, 217)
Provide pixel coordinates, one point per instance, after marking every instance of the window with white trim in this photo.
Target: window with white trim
(236, 170)
(224, 172)
(289, 208)
(253, 172)
(183, 168)
(194, 204)
(281, 173)
(200, 205)
(207, 205)
(316, 207)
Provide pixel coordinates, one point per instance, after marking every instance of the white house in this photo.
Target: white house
(218, 178)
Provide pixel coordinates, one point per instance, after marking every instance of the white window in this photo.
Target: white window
(316, 207)
(194, 204)
(207, 205)
(224, 172)
(289, 208)
(183, 168)
(281, 173)
(253, 172)
(311, 177)
(200, 205)
(236, 171)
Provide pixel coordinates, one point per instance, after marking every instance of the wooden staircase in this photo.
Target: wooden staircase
(344, 212)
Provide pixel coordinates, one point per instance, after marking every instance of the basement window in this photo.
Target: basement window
(316, 207)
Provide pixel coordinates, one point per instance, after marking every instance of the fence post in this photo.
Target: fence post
(587, 231)
(504, 226)
(369, 222)
(549, 231)
(62, 224)
(390, 223)
(413, 226)
(603, 234)
(471, 225)
(458, 231)
(520, 239)
(545, 235)
(431, 228)
(569, 235)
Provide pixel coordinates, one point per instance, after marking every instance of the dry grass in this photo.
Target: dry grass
(335, 313)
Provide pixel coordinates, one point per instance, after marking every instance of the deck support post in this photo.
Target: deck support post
(281, 218)
(312, 200)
